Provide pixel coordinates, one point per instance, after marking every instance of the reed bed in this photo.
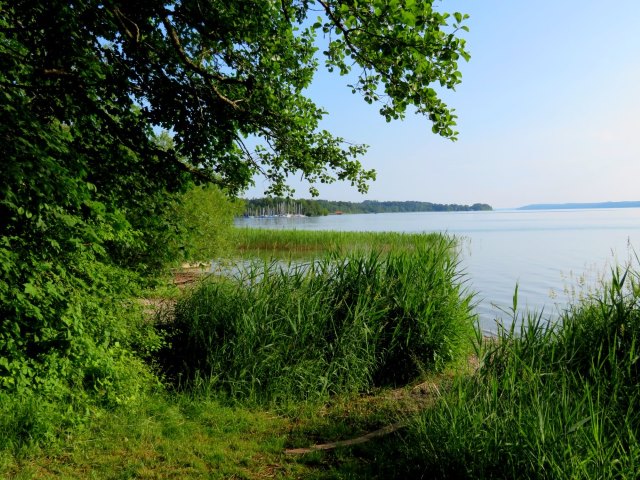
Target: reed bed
(550, 401)
(348, 322)
(268, 243)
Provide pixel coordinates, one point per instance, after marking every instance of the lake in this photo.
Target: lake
(553, 255)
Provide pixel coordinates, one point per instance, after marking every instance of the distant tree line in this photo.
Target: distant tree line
(270, 206)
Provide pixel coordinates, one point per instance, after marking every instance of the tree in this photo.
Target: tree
(85, 183)
(223, 75)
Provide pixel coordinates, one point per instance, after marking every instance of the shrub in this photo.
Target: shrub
(205, 216)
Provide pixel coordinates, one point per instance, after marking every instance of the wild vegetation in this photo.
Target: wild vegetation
(95, 205)
(346, 323)
(291, 338)
(549, 400)
(98, 199)
(205, 216)
(92, 194)
(247, 378)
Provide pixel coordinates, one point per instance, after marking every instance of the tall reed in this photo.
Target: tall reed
(311, 243)
(550, 401)
(347, 322)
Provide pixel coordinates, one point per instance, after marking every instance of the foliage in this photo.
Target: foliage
(68, 320)
(550, 401)
(75, 205)
(205, 215)
(342, 324)
(87, 187)
(222, 76)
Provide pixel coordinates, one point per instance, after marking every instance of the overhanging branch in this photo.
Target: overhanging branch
(175, 41)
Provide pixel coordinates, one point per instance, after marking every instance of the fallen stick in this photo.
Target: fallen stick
(347, 443)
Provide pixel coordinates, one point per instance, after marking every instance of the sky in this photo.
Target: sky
(548, 112)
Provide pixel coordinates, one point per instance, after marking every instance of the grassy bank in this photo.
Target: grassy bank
(550, 401)
(275, 358)
(344, 323)
(194, 435)
(283, 356)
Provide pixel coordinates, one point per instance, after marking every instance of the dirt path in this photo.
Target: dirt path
(183, 278)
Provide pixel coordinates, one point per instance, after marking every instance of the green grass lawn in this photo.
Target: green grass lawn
(191, 435)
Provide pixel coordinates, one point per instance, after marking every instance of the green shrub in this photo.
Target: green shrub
(205, 216)
(68, 336)
(79, 215)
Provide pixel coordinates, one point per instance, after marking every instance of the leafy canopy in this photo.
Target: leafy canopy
(228, 77)
(87, 185)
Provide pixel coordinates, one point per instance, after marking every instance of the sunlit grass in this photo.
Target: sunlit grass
(550, 401)
(194, 435)
(266, 243)
(177, 436)
(346, 323)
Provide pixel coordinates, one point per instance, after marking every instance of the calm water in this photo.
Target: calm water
(553, 255)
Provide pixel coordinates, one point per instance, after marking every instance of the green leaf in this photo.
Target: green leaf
(30, 289)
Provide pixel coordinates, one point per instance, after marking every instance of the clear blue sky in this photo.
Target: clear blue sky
(549, 112)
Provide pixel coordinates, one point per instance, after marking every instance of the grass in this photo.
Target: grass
(346, 323)
(166, 436)
(283, 357)
(192, 435)
(213, 428)
(550, 401)
(266, 243)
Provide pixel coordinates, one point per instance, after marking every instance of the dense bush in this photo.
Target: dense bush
(205, 215)
(72, 334)
(346, 323)
(80, 214)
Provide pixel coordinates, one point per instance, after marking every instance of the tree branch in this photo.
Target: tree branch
(284, 11)
(175, 40)
(346, 33)
(121, 17)
(246, 151)
(56, 72)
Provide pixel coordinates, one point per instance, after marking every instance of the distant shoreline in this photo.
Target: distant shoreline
(284, 207)
(579, 206)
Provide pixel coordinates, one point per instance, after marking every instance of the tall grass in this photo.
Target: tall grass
(345, 323)
(310, 243)
(550, 401)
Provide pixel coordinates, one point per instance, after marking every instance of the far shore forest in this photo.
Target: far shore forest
(270, 206)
